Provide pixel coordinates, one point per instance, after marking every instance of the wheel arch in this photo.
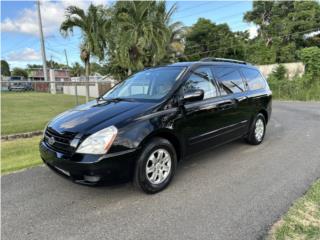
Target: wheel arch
(171, 137)
(265, 114)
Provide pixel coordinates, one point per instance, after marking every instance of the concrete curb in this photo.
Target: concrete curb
(21, 135)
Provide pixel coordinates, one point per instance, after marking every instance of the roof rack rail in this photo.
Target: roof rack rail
(213, 59)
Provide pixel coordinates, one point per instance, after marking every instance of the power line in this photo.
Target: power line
(206, 11)
(192, 7)
(19, 46)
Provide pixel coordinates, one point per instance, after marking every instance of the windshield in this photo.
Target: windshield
(152, 84)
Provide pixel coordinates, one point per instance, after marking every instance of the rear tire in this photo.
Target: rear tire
(156, 166)
(257, 130)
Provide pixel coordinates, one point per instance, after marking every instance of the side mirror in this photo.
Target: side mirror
(194, 95)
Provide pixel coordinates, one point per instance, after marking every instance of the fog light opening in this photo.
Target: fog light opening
(92, 179)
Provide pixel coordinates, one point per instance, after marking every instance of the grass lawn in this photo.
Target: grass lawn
(30, 111)
(19, 154)
(302, 220)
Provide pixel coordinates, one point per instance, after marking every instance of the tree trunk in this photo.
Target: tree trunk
(87, 66)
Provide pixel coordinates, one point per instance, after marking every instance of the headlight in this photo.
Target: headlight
(99, 142)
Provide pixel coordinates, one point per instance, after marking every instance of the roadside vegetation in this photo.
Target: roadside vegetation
(306, 87)
(19, 154)
(302, 220)
(30, 111)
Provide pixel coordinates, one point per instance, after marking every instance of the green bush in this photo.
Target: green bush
(303, 88)
(280, 73)
(298, 88)
(311, 58)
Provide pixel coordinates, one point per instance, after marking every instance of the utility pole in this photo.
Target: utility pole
(43, 50)
(65, 53)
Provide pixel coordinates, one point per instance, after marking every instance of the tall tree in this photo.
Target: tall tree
(140, 34)
(76, 70)
(282, 26)
(176, 45)
(19, 72)
(91, 24)
(207, 39)
(5, 68)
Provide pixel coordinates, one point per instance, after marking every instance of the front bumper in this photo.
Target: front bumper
(81, 167)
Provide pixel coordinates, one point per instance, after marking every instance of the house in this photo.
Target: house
(54, 75)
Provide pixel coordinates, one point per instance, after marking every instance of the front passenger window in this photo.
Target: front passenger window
(202, 79)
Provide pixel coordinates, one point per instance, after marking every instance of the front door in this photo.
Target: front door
(203, 120)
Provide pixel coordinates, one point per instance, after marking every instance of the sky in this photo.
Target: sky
(20, 42)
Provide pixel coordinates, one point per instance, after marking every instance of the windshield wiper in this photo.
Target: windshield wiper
(117, 99)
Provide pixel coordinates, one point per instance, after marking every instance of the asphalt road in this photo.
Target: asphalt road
(233, 192)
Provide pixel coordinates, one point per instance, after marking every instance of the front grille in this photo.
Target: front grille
(59, 142)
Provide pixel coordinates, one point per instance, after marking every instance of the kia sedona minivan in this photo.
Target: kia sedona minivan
(144, 126)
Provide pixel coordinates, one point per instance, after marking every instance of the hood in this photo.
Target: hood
(93, 116)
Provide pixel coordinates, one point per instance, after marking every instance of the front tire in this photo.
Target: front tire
(257, 130)
(156, 166)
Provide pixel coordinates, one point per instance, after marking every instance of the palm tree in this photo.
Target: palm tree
(176, 44)
(76, 70)
(91, 25)
(140, 34)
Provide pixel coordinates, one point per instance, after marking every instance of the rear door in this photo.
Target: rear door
(233, 92)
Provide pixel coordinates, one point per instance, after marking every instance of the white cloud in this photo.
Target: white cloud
(52, 14)
(253, 31)
(28, 54)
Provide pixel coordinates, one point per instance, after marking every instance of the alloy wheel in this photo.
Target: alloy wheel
(158, 166)
(259, 129)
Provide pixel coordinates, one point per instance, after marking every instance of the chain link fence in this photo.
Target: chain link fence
(27, 106)
(70, 88)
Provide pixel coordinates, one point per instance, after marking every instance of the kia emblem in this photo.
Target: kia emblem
(51, 140)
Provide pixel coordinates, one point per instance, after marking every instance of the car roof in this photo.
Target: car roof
(188, 64)
(199, 63)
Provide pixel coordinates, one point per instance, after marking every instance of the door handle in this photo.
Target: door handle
(225, 105)
(240, 99)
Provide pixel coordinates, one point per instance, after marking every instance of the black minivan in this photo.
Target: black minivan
(145, 125)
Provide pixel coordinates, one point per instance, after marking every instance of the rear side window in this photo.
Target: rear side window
(229, 80)
(254, 78)
(202, 79)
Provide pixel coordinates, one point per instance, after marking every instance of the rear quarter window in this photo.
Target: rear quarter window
(254, 78)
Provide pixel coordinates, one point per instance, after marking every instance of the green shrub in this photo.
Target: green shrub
(280, 73)
(311, 58)
(298, 88)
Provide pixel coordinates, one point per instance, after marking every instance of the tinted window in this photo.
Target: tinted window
(150, 84)
(254, 78)
(229, 80)
(202, 79)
